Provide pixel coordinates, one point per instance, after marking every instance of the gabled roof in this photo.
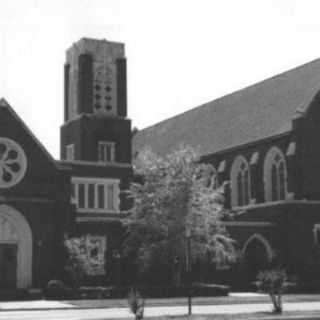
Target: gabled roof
(257, 112)
(6, 105)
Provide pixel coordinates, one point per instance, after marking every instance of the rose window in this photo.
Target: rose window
(13, 163)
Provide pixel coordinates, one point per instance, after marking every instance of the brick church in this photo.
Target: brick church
(262, 141)
(42, 200)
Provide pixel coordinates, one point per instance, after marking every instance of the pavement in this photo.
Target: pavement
(34, 305)
(48, 310)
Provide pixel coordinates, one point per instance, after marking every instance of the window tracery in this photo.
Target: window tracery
(13, 163)
(240, 182)
(275, 175)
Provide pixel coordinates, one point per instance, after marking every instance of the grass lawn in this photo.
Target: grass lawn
(254, 316)
(118, 303)
(230, 300)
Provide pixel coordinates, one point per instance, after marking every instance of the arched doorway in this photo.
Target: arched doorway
(15, 249)
(257, 254)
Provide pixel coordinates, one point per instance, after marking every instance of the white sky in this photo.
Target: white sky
(181, 53)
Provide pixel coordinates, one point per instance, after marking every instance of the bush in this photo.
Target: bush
(210, 290)
(55, 289)
(198, 290)
(74, 266)
(136, 303)
(273, 282)
(93, 292)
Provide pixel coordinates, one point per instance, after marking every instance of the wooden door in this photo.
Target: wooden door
(8, 265)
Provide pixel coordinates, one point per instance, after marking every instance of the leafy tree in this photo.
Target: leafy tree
(136, 303)
(75, 264)
(174, 198)
(274, 283)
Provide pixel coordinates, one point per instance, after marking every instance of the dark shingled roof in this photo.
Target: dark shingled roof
(260, 111)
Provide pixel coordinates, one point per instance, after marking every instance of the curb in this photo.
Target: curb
(48, 309)
(287, 317)
(251, 316)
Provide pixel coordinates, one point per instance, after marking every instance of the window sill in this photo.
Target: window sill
(107, 162)
(102, 211)
(99, 218)
(223, 268)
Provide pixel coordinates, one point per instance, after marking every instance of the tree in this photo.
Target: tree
(136, 303)
(75, 264)
(274, 283)
(174, 196)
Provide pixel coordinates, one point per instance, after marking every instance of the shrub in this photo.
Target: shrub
(198, 290)
(209, 290)
(55, 289)
(74, 267)
(273, 282)
(136, 303)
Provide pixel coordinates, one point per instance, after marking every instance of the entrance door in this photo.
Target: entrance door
(8, 265)
(256, 258)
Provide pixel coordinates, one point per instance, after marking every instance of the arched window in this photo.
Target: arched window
(213, 179)
(240, 182)
(275, 175)
(257, 253)
(209, 176)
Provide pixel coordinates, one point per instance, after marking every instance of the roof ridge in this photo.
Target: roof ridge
(4, 102)
(303, 107)
(259, 83)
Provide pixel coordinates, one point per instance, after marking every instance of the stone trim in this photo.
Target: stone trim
(248, 224)
(235, 169)
(267, 175)
(264, 241)
(24, 244)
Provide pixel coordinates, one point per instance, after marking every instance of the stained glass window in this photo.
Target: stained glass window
(240, 182)
(275, 174)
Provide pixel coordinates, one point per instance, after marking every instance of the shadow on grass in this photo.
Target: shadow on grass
(244, 316)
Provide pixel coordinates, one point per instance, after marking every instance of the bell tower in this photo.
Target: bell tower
(95, 79)
(95, 103)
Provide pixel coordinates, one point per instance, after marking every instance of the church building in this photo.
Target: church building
(43, 200)
(261, 142)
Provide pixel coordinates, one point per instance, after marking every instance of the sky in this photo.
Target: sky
(181, 53)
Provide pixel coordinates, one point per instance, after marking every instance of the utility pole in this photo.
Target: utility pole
(188, 238)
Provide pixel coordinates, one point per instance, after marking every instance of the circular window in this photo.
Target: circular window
(13, 163)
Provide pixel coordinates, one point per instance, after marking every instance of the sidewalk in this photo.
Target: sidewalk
(233, 298)
(35, 305)
(112, 313)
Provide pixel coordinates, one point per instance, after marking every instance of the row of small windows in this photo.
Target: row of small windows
(98, 195)
(274, 175)
(106, 151)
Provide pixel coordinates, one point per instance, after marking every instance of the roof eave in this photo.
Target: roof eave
(246, 145)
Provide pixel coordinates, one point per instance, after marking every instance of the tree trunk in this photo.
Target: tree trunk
(177, 275)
